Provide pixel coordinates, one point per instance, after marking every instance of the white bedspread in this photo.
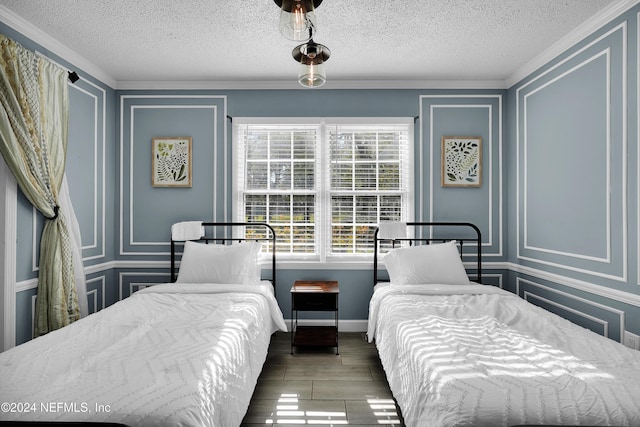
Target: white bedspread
(481, 356)
(171, 354)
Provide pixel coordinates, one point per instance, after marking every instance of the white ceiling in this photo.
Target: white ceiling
(373, 43)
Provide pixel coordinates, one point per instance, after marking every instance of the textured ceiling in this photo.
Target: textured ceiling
(371, 40)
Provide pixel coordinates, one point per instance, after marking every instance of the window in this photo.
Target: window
(324, 185)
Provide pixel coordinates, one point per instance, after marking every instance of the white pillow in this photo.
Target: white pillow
(426, 264)
(232, 264)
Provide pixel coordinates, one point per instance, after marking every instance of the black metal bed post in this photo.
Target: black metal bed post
(173, 267)
(375, 256)
(479, 255)
(273, 256)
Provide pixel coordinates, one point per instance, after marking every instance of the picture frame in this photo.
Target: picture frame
(461, 161)
(171, 164)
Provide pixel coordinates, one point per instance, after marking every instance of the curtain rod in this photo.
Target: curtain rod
(73, 76)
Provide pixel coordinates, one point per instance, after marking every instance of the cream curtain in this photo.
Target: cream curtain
(33, 141)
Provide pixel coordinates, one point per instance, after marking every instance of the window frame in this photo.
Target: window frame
(323, 191)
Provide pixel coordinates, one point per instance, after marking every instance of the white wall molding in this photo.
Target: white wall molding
(603, 291)
(521, 169)
(135, 286)
(606, 53)
(127, 170)
(584, 31)
(38, 36)
(361, 325)
(25, 285)
(8, 208)
(614, 294)
(637, 144)
(529, 296)
(496, 142)
(100, 142)
(605, 325)
(94, 293)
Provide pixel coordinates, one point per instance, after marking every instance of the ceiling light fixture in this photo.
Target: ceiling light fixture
(311, 57)
(298, 18)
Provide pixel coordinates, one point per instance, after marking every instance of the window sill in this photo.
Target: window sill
(318, 265)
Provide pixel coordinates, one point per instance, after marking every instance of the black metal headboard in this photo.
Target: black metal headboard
(437, 232)
(263, 233)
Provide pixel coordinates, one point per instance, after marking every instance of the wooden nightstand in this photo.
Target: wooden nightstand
(308, 295)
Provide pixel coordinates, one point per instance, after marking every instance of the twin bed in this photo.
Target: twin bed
(459, 353)
(455, 352)
(186, 353)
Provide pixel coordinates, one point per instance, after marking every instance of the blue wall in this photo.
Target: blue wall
(558, 207)
(573, 181)
(203, 116)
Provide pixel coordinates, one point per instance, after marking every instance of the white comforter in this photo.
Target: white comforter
(171, 354)
(479, 356)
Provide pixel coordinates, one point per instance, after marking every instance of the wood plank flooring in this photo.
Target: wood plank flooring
(316, 387)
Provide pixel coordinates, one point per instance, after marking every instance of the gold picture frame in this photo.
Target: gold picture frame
(461, 161)
(171, 161)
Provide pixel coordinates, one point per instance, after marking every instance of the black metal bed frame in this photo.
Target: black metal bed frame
(270, 237)
(430, 226)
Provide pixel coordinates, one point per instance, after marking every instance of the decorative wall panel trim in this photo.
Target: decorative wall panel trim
(132, 242)
(603, 291)
(94, 292)
(434, 143)
(218, 106)
(583, 263)
(97, 268)
(99, 167)
(25, 285)
(495, 142)
(33, 314)
(499, 276)
(8, 233)
(134, 286)
(606, 200)
(637, 76)
(605, 324)
(34, 239)
(92, 295)
(529, 297)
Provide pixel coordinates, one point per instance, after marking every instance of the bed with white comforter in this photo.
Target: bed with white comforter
(476, 355)
(183, 354)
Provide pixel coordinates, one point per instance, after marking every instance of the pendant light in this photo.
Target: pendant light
(298, 18)
(311, 57)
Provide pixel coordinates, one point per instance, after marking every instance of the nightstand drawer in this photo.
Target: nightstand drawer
(315, 302)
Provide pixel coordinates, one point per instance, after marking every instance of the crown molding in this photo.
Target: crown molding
(54, 46)
(583, 31)
(292, 85)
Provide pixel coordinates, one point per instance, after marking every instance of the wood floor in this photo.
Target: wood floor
(316, 387)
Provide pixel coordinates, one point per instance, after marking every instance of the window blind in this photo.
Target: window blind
(368, 178)
(323, 186)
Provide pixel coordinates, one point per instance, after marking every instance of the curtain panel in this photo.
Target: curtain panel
(33, 141)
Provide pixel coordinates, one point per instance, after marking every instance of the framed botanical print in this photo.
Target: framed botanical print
(461, 161)
(171, 161)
